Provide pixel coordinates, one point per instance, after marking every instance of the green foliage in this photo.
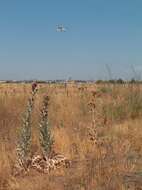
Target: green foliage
(99, 81)
(120, 81)
(106, 89)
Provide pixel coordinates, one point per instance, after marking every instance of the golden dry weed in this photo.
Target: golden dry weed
(105, 167)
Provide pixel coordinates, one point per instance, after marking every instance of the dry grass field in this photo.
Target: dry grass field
(98, 128)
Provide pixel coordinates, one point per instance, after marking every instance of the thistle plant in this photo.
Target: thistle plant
(97, 121)
(24, 142)
(93, 134)
(46, 138)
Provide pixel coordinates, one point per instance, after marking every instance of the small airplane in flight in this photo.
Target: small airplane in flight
(61, 28)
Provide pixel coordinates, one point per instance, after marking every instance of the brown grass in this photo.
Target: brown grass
(106, 166)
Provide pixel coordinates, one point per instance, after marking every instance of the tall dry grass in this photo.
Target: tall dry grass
(108, 165)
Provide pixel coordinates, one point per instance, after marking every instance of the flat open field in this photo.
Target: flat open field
(98, 128)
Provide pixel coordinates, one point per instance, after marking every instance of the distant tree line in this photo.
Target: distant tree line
(119, 81)
(111, 81)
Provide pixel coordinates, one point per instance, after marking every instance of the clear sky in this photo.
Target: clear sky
(100, 33)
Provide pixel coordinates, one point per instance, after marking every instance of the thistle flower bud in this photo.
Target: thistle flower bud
(34, 86)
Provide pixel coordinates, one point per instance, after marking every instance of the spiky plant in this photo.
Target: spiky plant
(46, 138)
(24, 141)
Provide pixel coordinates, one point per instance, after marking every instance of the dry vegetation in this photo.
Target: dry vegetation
(97, 127)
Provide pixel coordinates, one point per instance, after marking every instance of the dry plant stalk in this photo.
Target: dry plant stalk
(93, 129)
(46, 139)
(24, 142)
(45, 162)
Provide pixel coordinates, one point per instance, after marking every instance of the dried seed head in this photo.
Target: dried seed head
(92, 105)
(94, 93)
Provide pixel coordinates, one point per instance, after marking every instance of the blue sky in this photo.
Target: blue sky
(101, 32)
